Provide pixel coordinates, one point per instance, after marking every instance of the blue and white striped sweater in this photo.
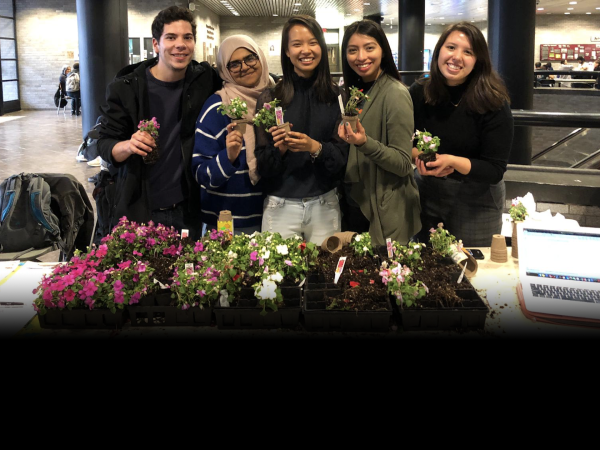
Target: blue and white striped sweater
(223, 185)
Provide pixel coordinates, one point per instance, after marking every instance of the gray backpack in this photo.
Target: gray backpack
(26, 217)
(72, 83)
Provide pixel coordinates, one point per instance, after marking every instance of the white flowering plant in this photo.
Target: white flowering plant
(361, 244)
(400, 283)
(409, 255)
(236, 109)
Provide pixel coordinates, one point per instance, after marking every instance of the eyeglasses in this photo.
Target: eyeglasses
(236, 66)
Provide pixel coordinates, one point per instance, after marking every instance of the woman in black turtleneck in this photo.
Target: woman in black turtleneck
(465, 103)
(302, 171)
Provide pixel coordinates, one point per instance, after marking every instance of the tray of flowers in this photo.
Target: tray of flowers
(428, 289)
(261, 285)
(345, 291)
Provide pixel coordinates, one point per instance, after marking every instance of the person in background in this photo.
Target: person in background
(537, 82)
(581, 67)
(302, 170)
(73, 90)
(549, 82)
(221, 154)
(597, 69)
(465, 103)
(62, 79)
(172, 88)
(383, 197)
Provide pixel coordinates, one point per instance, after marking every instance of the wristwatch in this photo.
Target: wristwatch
(316, 154)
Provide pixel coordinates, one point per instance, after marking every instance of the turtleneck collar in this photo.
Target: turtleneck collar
(302, 82)
(456, 92)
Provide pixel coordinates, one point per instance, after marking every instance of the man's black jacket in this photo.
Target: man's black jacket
(126, 105)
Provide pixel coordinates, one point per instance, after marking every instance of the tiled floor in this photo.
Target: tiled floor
(43, 142)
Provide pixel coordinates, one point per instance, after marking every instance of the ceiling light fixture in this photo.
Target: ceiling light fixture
(570, 9)
(567, 13)
(540, 9)
(572, 3)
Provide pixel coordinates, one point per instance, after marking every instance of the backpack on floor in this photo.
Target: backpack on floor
(72, 83)
(26, 217)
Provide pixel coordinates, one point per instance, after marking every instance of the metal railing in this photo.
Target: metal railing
(582, 122)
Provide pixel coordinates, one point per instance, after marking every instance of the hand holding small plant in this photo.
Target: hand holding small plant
(151, 127)
(265, 117)
(236, 109)
(517, 211)
(427, 145)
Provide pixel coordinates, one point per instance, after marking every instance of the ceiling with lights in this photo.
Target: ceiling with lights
(436, 11)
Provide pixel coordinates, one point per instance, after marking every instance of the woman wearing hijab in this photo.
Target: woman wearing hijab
(223, 162)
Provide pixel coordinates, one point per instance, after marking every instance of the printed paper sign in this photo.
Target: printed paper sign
(339, 268)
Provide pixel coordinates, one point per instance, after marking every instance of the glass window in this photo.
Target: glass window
(7, 49)
(7, 28)
(6, 8)
(10, 91)
(9, 70)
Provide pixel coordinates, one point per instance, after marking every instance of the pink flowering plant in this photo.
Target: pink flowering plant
(398, 278)
(196, 280)
(265, 117)
(149, 126)
(442, 241)
(130, 240)
(409, 255)
(518, 211)
(426, 143)
(81, 283)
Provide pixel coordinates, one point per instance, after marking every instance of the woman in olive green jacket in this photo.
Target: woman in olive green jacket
(379, 174)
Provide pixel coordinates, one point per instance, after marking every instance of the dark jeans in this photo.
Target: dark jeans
(76, 101)
(176, 217)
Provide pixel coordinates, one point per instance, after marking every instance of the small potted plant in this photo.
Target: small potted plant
(427, 146)
(236, 110)
(352, 108)
(518, 213)
(443, 242)
(151, 127)
(265, 117)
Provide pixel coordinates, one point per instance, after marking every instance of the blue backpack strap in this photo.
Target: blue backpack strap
(35, 200)
(11, 194)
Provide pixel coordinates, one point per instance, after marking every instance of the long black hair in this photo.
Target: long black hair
(485, 89)
(373, 29)
(324, 86)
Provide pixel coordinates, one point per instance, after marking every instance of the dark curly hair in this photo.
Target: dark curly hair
(170, 15)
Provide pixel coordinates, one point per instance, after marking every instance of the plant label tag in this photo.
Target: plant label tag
(185, 233)
(162, 286)
(457, 254)
(339, 268)
(189, 267)
(341, 104)
(279, 115)
(462, 274)
(390, 248)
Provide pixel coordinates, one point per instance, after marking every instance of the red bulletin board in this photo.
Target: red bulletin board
(570, 52)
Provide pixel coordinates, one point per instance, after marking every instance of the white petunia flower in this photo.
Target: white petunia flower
(282, 249)
(266, 290)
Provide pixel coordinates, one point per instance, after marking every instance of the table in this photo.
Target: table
(495, 282)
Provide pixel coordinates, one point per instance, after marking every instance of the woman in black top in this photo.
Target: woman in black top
(301, 171)
(465, 103)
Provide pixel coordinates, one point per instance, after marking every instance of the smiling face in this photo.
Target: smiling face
(175, 51)
(247, 76)
(303, 50)
(364, 56)
(456, 59)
